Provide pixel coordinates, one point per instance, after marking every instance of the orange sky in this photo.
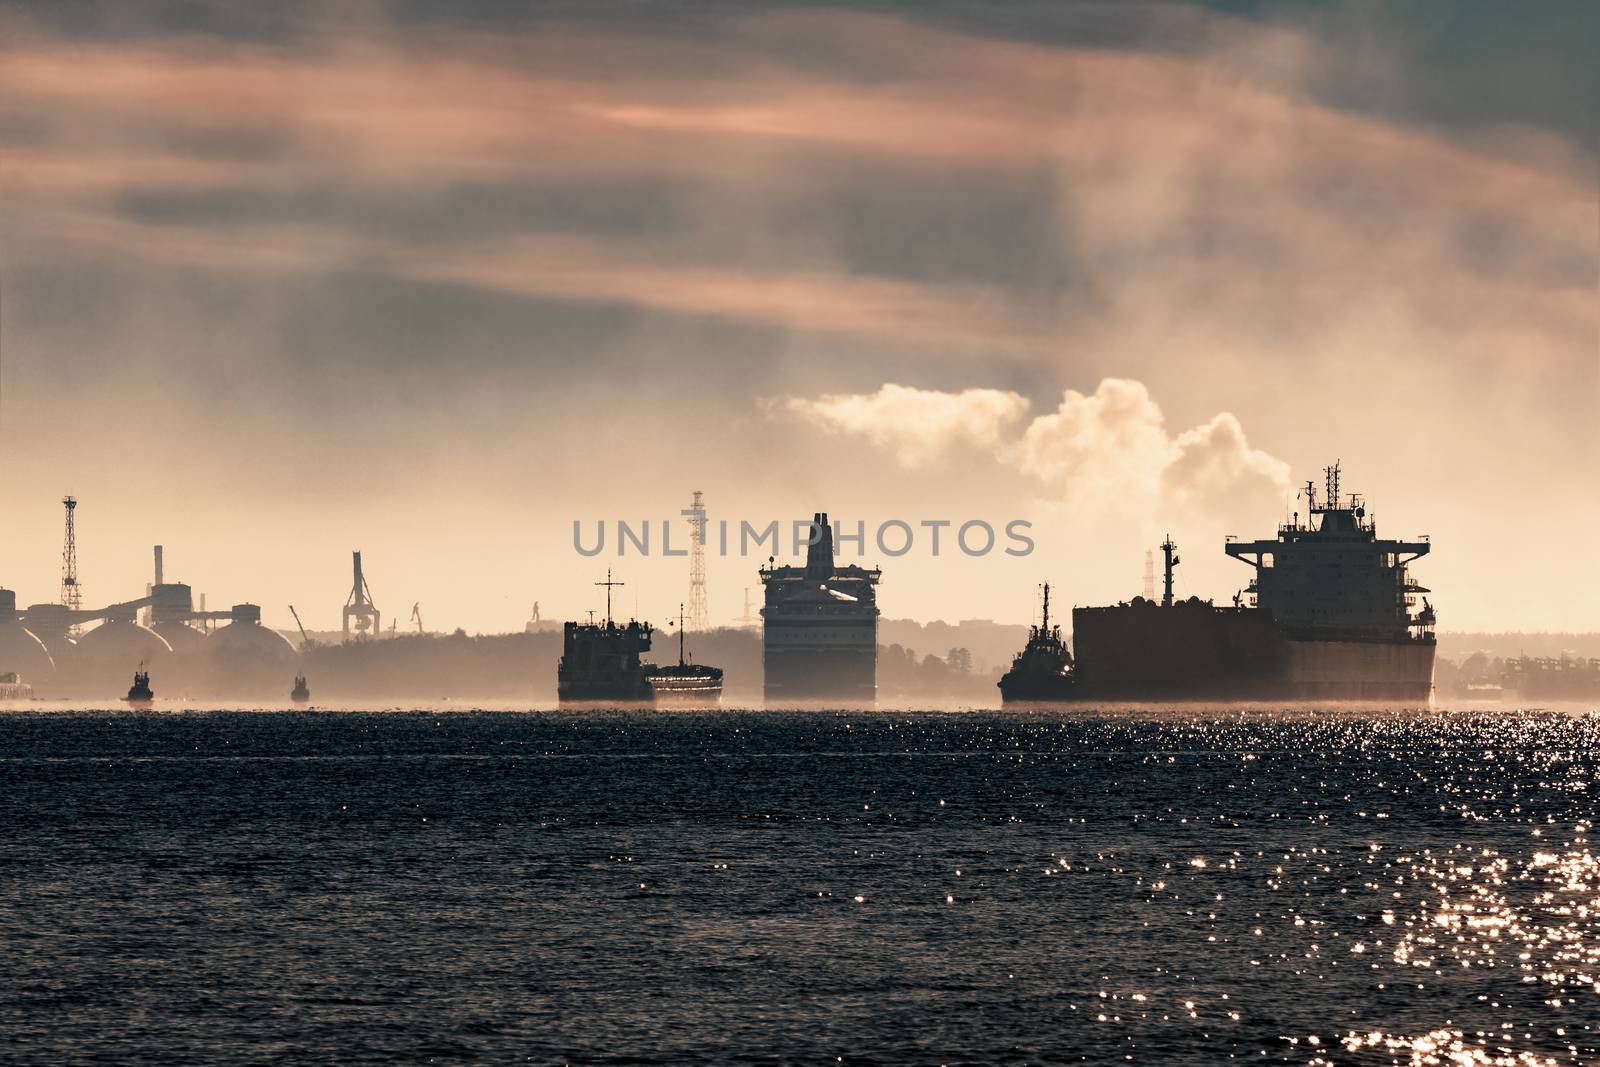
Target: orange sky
(277, 290)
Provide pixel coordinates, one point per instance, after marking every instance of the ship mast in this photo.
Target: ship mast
(680, 634)
(1170, 553)
(1044, 627)
(610, 585)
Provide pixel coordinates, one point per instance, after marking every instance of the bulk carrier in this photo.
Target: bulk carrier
(1327, 616)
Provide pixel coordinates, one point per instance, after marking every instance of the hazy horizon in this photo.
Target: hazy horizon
(278, 284)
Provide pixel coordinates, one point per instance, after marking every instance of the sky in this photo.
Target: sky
(437, 281)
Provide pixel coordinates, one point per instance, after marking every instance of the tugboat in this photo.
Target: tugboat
(140, 692)
(685, 682)
(1042, 671)
(600, 663)
(301, 692)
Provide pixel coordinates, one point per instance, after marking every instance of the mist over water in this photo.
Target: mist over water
(1288, 887)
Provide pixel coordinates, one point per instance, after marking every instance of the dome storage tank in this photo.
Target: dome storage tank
(244, 636)
(20, 650)
(122, 641)
(247, 660)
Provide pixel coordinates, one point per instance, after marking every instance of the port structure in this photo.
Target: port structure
(71, 591)
(305, 638)
(361, 614)
(697, 562)
(167, 604)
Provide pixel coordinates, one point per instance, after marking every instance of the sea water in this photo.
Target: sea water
(1144, 886)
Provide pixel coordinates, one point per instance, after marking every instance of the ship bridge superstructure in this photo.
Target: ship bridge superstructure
(1333, 575)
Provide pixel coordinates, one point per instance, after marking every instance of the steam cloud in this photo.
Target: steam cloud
(1111, 448)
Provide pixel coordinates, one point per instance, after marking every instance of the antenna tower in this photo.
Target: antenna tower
(1333, 485)
(697, 562)
(1149, 575)
(71, 591)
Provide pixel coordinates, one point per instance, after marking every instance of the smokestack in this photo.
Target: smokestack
(160, 580)
(819, 555)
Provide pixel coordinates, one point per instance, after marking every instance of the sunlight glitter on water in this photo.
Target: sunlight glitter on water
(818, 888)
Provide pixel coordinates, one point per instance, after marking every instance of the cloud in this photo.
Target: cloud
(917, 425)
(1109, 450)
(1168, 195)
(1113, 441)
(1214, 469)
(1248, 215)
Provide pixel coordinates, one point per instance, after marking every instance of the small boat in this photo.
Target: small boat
(301, 692)
(140, 692)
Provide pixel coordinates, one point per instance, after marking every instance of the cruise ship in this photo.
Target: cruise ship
(820, 627)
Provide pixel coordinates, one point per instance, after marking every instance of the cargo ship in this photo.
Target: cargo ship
(685, 682)
(600, 661)
(819, 627)
(1043, 669)
(1327, 616)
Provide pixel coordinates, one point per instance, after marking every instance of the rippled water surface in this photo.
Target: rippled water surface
(885, 888)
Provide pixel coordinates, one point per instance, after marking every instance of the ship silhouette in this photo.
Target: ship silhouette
(1043, 669)
(819, 626)
(140, 692)
(600, 661)
(685, 682)
(1327, 616)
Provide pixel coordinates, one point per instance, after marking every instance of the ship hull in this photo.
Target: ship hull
(592, 690)
(1194, 651)
(827, 659)
(687, 686)
(1035, 689)
(1360, 670)
(682, 692)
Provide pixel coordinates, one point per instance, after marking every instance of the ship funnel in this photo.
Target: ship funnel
(819, 553)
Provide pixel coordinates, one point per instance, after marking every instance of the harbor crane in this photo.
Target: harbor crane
(360, 613)
(305, 641)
